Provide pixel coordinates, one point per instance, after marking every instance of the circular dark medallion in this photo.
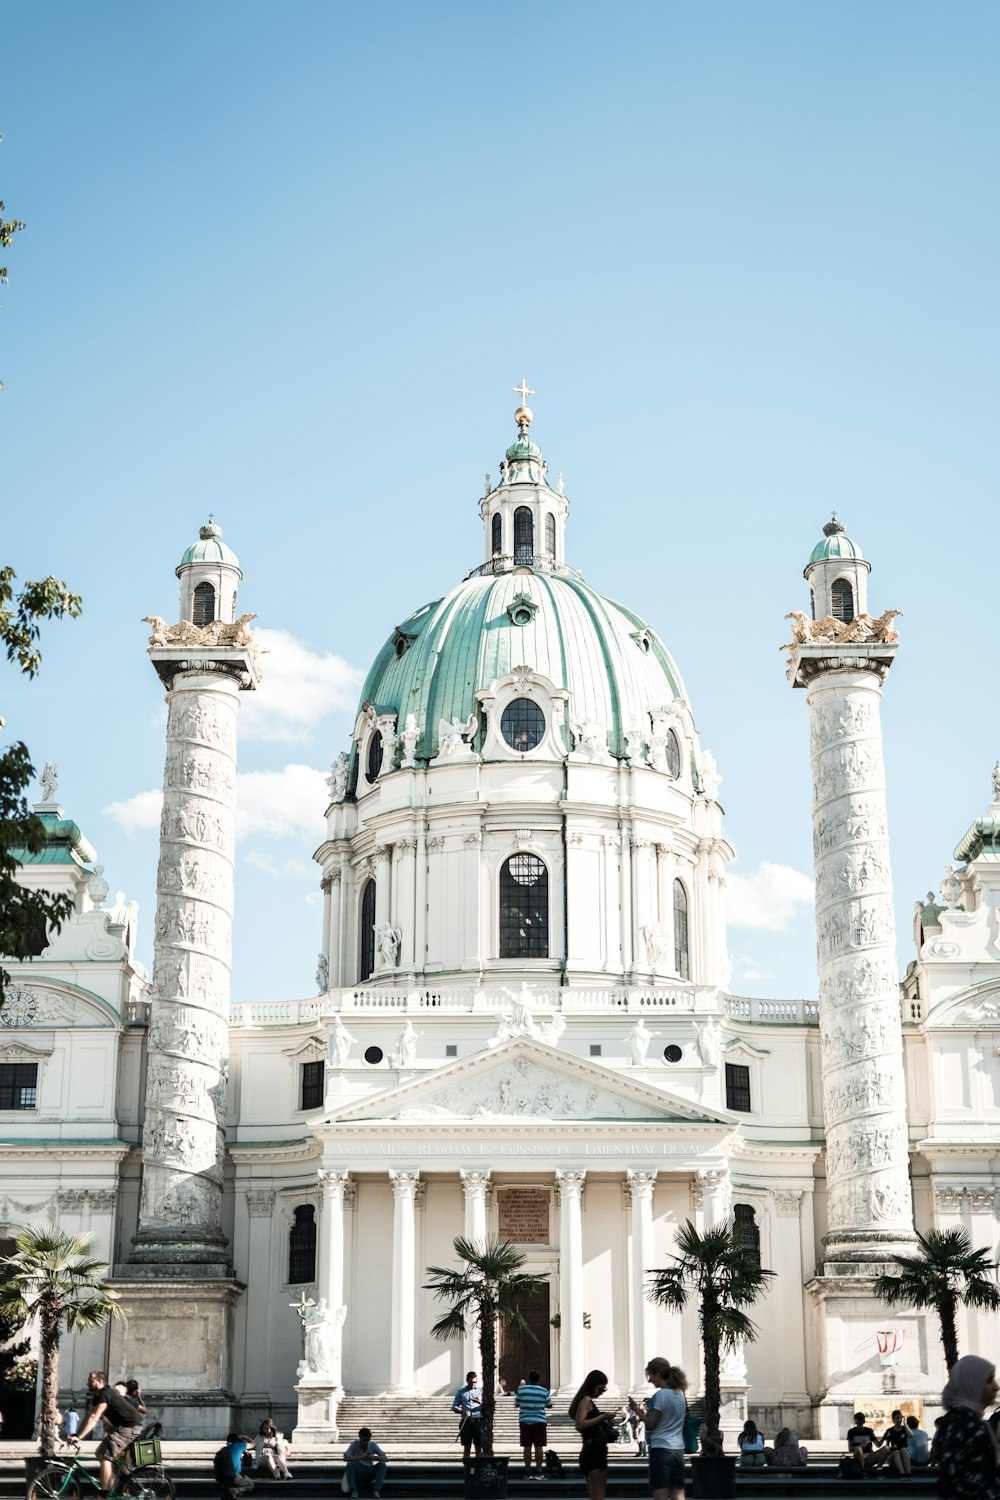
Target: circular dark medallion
(523, 725)
(374, 764)
(672, 1054)
(373, 1055)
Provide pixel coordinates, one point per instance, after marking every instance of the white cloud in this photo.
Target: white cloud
(295, 869)
(767, 898)
(138, 812)
(290, 801)
(298, 688)
(752, 973)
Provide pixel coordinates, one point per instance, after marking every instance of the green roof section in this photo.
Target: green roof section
(981, 841)
(65, 844)
(836, 544)
(612, 663)
(209, 548)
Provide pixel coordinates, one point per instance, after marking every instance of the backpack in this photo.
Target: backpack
(222, 1466)
(553, 1464)
(849, 1468)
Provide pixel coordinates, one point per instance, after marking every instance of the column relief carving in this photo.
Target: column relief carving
(260, 1203)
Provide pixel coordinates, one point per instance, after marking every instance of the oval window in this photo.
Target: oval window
(373, 1055)
(673, 751)
(672, 1054)
(374, 757)
(523, 725)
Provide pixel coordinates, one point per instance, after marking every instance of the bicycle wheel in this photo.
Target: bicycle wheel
(149, 1484)
(54, 1484)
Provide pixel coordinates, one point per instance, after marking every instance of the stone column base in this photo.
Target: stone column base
(316, 1425)
(733, 1407)
(177, 1334)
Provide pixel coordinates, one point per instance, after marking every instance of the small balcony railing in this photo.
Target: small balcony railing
(538, 562)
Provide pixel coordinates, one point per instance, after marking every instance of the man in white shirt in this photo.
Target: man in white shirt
(663, 1415)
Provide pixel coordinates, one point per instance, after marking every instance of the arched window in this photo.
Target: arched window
(524, 534)
(842, 599)
(366, 934)
(302, 1245)
(496, 534)
(673, 753)
(550, 534)
(524, 908)
(373, 764)
(682, 964)
(812, 602)
(745, 1231)
(204, 604)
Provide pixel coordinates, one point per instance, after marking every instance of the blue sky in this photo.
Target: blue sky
(285, 263)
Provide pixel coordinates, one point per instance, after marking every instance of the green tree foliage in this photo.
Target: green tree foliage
(25, 913)
(12, 1352)
(945, 1272)
(485, 1292)
(51, 1277)
(725, 1276)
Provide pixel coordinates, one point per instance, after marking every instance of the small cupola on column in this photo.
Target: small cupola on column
(209, 573)
(524, 519)
(837, 575)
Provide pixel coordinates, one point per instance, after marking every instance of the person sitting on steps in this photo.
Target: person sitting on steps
(365, 1460)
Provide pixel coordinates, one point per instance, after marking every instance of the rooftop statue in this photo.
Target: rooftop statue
(216, 633)
(862, 628)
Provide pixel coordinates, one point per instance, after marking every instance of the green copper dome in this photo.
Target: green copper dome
(614, 666)
(835, 544)
(210, 548)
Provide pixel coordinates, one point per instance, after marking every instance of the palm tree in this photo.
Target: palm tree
(487, 1289)
(726, 1276)
(945, 1271)
(51, 1276)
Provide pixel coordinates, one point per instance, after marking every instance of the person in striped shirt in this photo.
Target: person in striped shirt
(532, 1401)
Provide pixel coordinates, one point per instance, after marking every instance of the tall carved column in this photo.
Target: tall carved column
(402, 1350)
(571, 1309)
(869, 1210)
(640, 1184)
(180, 1209)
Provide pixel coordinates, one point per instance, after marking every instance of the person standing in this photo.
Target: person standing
(663, 1415)
(365, 1460)
(71, 1421)
(468, 1404)
(965, 1446)
(121, 1424)
(590, 1424)
(532, 1400)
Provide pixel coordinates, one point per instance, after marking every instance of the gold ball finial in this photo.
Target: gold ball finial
(523, 417)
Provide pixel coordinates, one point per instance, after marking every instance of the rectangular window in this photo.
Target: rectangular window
(451, 1049)
(18, 1085)
(595, 1049)
(738, 1087)
(312, 1085)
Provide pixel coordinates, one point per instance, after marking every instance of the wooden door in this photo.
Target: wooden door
(519, 1352)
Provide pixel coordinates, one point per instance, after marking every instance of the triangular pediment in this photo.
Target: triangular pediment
(524, 1079)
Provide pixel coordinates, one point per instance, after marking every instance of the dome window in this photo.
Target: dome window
(496, 535)
(550, 534)
(672, 750)
(842, 600)
(203, 607)
(523, 725)
(374, 760)
(682, 962)
(401, 641)
(522, 609)
(366, 934)
(524, 908)
(524, 534)
(643, 640)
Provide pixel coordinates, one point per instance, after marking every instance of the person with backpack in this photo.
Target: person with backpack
(227, 1466)
(532, 1400)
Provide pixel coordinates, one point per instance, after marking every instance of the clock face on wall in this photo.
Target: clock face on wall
(19, 1008)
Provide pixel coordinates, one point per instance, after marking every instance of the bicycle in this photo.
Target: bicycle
(61, 1480)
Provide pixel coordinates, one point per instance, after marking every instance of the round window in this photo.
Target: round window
(373, 1055)
(374, 757)
(673, 755)
(672, 1054)
(523, 725)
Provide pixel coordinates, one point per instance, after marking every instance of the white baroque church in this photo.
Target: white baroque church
(524, 1025)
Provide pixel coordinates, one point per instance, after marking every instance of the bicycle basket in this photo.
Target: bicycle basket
(145, 1451)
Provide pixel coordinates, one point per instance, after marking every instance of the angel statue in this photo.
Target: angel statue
(454, 737)
(388, 939)
(50, 782)
(322, 974)
(337, 779)
(323, 1327)
(409, 737)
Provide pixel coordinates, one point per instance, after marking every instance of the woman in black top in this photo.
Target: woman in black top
(588, 1421)
(965, 1447)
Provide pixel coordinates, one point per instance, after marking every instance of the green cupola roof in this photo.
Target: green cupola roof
(836, 544)
(210, 548)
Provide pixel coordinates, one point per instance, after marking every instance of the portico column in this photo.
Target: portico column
(383, 892)
(401, 1339)
(639, 1185)
(334, 1187)
(715, 1185)
(571, 1370)
(475, 1187)
(334, 946)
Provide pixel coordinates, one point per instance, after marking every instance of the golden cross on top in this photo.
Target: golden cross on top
(524, 391)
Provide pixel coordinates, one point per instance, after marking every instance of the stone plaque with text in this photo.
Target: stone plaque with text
(523, 1215)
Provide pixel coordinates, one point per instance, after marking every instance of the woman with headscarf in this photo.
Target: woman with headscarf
(965, 1448)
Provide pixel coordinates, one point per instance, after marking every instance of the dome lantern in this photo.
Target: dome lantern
(523, 517)
(837, 574)
(209, 573)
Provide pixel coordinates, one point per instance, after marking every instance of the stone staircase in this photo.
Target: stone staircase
(426, 1424)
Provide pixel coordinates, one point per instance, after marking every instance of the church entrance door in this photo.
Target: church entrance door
(518, 1352)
